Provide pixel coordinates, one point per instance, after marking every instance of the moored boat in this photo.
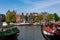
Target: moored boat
(8, 32)
(51, 32)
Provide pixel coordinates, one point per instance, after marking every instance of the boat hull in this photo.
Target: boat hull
(54, 36)
(9, 37)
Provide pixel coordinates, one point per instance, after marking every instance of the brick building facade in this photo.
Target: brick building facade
(18, 18)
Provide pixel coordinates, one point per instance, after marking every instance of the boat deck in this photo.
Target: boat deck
(8, 31)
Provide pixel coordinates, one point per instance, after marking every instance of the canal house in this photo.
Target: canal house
(2, 19)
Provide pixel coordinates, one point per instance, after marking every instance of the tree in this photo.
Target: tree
(50, 17)
(8, 19)
(11, 17)
(26, 18)
(40, 17)
(59, 18)
(56, 18)
(33, 17)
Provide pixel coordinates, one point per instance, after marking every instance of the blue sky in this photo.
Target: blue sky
(51, 6)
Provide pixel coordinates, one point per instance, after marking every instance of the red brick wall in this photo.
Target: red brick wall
(18, 18)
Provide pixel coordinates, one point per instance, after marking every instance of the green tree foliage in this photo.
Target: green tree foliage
(11, 17)
(59, 18)
(50, 17)
(7, 18)
(56, 17)
(33, 17)
(40, 17)
(26, 17)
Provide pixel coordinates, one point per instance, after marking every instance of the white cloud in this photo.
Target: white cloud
(40, 5)
(37, 5)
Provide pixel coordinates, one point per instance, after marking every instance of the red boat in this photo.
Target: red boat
(51, 32)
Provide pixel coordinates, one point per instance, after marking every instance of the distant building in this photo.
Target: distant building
(18, 18)
(2, 17)
(30, 18)
(14, 11)
(35, 14)
(8, 12)
(22, 17)
(44, 15)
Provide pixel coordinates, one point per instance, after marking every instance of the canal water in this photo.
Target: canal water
(30, 33)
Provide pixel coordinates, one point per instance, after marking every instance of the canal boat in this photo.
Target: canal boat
(7, 32)
(51, 32)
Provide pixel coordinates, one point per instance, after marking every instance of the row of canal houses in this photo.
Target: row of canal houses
(20, 16)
